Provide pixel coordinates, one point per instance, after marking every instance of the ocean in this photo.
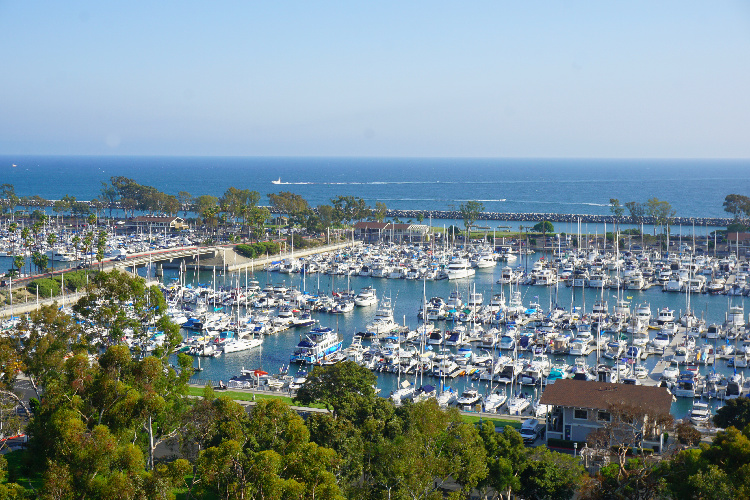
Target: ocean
(695, 188)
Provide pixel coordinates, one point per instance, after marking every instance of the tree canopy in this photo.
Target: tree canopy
(470, 213)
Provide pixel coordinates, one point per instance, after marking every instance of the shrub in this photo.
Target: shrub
(47, 287)
(258, 249)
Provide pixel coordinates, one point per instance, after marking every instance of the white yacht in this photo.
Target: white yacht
(665, 315)
(507, 276)
(459, 268)
(468, 399)
(484, 260)
(366, 297)
(494, 402)
(237, 345)
(383, 321)
(700, 414)
(475, 301)
(643, 311)
(736, 316)
(622, 309)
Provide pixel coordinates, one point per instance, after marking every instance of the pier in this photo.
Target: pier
(667, 356)
(225, 258)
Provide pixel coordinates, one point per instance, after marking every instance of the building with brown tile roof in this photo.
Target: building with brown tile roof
(580, 407)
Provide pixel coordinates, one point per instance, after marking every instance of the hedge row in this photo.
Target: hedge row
(258, 249)
(51, 287)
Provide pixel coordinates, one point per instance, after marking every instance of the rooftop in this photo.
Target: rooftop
(601, 395)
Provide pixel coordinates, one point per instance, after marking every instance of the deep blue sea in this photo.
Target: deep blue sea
(695, 188)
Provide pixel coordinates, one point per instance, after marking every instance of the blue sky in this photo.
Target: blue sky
(406, 78)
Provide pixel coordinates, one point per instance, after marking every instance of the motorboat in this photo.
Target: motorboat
(671, 372)
(640, 371)
(315, 346)
(405, 391)
(643, 312)
(615, 349)
(446, 397)
(468, 399)
(424, 393)
(507, 342)
(383, 321)
(494, 401)
(665, 315)
(459, 268)
(237, 345)
(366, 297)
(517, 404)
(700, 414)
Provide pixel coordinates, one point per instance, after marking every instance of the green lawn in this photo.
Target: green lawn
(16, 472)
(500, 423)
(247, 396)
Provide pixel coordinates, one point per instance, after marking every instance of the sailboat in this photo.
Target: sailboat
(277, 181)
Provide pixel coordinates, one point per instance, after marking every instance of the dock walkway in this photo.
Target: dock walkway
(667, 355)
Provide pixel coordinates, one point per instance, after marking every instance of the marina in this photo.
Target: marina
(507, 348)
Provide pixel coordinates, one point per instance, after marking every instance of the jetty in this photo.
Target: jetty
(667, 356)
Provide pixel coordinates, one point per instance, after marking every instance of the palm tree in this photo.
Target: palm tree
(76, 241)
(51, 239)
(18, 263)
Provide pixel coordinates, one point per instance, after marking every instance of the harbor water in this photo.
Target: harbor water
(407, 296)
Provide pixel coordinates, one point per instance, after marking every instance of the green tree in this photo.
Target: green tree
(452, 232)
(661, 213)
(273, 458)
(628, 426)
(60, 207)
(349, 208)
(40, 260)
(687, 434)
(380, 211)
(739, 206)
(506, 459)
(334, 385)
(550, 475)
(18, 262)
(186, 200)
(544, 227)
(257, 217)
(8, 199)
(637, 211)
(470, 212)
(118, 303)
(734, 413)
(288, 203)
(435, 447)
(108, 194)
(42, 341)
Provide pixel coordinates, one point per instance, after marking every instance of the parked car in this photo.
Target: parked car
(531, 430)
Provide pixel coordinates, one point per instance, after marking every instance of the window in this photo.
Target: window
(604, 416)
(581, 414)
